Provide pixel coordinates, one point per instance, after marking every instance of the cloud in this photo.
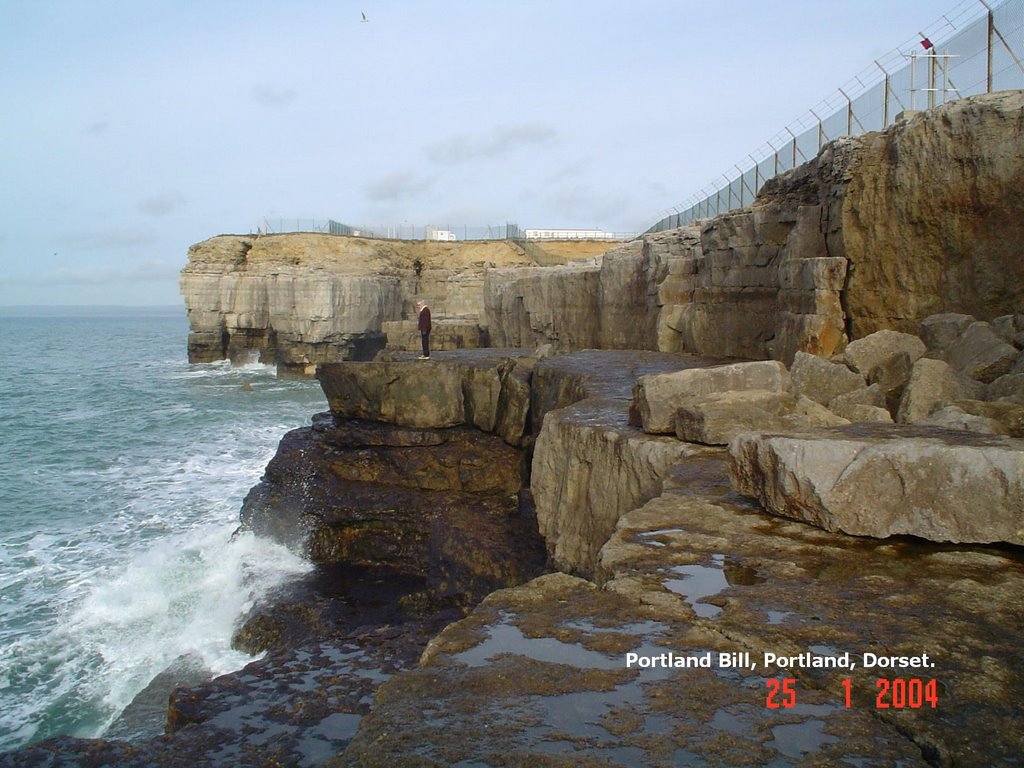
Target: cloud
(396, 186)
(162, 204)
(269, 96)
(502, 140)
(573, 170)
(581, 205)
(107, 239)
(96, 128)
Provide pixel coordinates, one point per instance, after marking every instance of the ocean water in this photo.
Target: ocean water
(121, 476)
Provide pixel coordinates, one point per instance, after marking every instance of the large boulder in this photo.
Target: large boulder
(892, 376)
(420, 394)
(487, 389)
(938, 332)
(885, 481)
(980, 354)
(933, 383)
(865, 355)
(1010, 329)
(1008, 415)
(821, 380)
(657, 397)
(716, 418)
(1009, 388)
(955, 417)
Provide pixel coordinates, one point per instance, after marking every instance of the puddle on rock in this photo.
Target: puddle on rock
(703, 581)
(797, 739)
(508, 638)
(651, 538)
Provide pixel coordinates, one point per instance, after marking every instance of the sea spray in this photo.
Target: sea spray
(125, 468)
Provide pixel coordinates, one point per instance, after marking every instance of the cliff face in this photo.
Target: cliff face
(932, 217)
(876, 232)
(301, 299)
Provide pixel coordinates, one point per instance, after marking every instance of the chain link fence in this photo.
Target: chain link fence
(445, 232)
(975, 48)
(438, 233)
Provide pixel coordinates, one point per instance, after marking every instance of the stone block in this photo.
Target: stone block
(980, 354)
(864, 355)
(420, 393)
(954, 417)
(1008, 388)
(658, 397)
(1010, 329)
(1010, 416)
(859, 412)
(884, 481)
(892, 375)
(872, 395)
(821, 380)
(716, 418)
(938, 332)
(933, 383)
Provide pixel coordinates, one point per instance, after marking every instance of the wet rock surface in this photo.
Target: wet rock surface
(538, 675)
(412, 526)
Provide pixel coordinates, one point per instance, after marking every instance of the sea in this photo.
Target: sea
(122, 472)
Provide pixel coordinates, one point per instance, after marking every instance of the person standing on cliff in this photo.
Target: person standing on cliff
(424, 326)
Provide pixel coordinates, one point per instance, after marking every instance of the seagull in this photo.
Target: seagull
(364, 17)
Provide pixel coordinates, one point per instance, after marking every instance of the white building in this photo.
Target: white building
(443, 235)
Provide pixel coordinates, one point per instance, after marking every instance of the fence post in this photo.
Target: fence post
(821, 130)
(849, 113)
(794, 146)
(932, 79)
(885, 95)
(988, 67)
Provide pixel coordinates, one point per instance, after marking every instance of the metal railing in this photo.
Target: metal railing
(975, 48)
(279, 225)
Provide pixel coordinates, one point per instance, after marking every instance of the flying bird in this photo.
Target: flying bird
(364, 17)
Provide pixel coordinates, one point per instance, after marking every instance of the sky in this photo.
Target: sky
(131, 129)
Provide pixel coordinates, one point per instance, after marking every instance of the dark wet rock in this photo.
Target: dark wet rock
(147, 713)
(537, 674)
(417, 506)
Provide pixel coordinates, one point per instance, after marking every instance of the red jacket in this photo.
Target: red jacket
(425, 325)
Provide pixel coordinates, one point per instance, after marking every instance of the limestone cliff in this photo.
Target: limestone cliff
(301, 299)
(877, 231)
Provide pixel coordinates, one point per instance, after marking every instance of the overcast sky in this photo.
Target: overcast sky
(130, 129)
